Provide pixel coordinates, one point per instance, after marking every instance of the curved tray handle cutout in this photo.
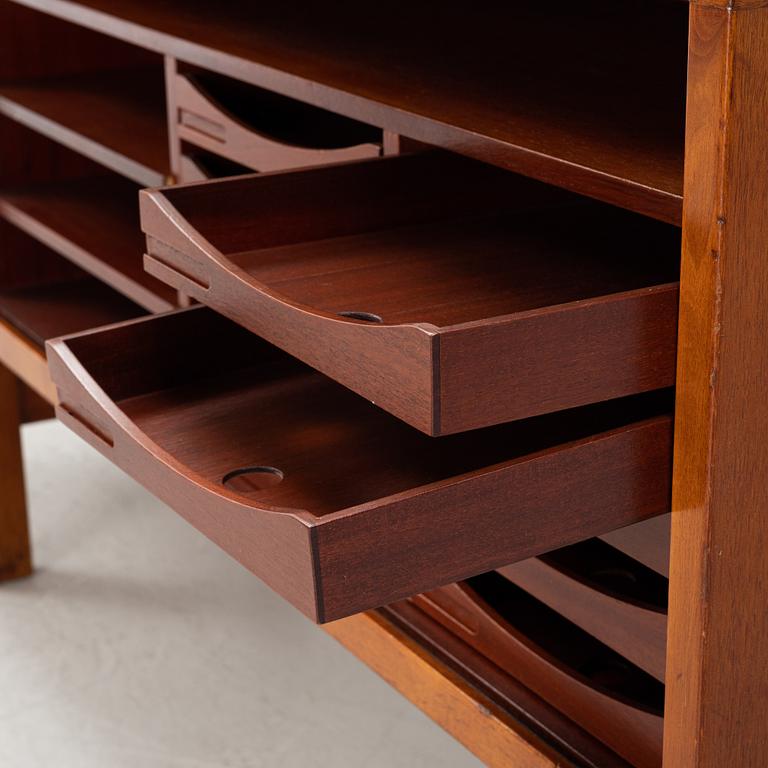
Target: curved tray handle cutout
(204, 122)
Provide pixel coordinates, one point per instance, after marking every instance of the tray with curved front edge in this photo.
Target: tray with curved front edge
(274, 133)
(609, 595)
(614, 701)
(451, 294)
(335, 504)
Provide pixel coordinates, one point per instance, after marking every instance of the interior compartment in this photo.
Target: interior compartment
(258, 128)
(196, 164)
(42, 295)
(106, 101)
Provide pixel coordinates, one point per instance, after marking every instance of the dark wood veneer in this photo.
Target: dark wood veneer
(616, 702)
(607, 594)
(261, 130)
(92, 221)
(605, 116)
(114, 117)
(498, 298)
(370, 510)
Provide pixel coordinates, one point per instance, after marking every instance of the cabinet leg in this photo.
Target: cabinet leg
(15, 557)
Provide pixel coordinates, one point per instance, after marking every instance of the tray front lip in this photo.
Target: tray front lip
(183, 235)
(475, 522)
(61, 358)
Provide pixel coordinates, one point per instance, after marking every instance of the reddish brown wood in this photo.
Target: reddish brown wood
(605, 593)
(562, 121)
(39, 45)
(43, 295)
(46, 311)
(261, 130)
(553, 734)
(94, 223)
(618, 704)
(198, 165)
(15, 557)
(116, 118)
(370, 510)
(718, 656)
(33, 407)
(486, 318)
(397, 650)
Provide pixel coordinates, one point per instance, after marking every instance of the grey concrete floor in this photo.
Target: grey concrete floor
(139, 644)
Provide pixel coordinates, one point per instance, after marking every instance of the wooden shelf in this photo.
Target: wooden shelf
(605, 116)
(116, 118)
(94, 223)
(47, 311)
(592, 685)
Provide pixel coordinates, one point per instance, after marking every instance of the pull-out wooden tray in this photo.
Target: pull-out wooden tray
(262, 130)
(609, 595)
(451, 294)
(335, 504)
(613, 700)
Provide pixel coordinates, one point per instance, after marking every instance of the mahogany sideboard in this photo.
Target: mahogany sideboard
(447, 324)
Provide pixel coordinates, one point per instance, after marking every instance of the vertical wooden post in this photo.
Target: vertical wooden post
(15, 560)
(717, 663)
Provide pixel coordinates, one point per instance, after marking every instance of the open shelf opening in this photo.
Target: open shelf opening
(84, 212)
(99, 96)
(590, 96)
(43, 295)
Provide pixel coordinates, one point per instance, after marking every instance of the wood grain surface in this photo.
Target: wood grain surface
(484, 310)
(718, 659)
(483, 90)
(612, 700)
(15, 556)
(479, 724)
(263, 131)
(369, 510)
(610, 596)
